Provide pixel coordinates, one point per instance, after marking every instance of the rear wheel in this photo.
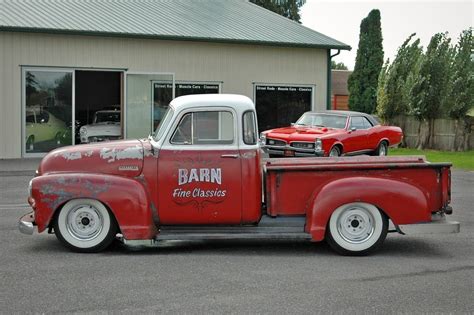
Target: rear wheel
(335, 151)
(356, 229)
(85, 225)
(382, 149)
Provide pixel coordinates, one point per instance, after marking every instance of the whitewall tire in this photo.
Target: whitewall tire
(356, 229)
(85, 225)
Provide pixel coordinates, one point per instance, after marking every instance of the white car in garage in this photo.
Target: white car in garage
(105, 127)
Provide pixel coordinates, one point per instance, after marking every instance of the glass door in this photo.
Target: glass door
(143, 108)
(48, 103)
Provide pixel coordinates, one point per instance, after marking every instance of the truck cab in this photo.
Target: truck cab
(208, 162)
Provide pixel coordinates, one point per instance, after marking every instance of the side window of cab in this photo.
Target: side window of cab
(205, 128)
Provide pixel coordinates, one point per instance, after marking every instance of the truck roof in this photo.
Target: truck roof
(239, 102)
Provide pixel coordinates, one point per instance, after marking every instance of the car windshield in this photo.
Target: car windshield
(160, 130)
(322, 120)
(107, 116)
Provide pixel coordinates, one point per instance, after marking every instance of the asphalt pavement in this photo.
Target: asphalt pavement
(409, 274)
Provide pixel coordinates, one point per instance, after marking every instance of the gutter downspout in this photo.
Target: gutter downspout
(329, 78)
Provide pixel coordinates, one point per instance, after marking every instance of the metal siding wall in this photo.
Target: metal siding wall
(237, 66)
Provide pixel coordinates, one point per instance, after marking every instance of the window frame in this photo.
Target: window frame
(192, 111)
(254, 116)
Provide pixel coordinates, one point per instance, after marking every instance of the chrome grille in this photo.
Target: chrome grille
(276, 142)
(302, 145)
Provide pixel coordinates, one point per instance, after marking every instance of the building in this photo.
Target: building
(62, 61)
(339, 90)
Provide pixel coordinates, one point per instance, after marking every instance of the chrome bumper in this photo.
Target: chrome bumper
(26, 225)
(438, 225)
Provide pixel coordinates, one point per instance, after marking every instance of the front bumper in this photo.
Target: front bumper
(289, 151)
(438, 225)
(26, 224)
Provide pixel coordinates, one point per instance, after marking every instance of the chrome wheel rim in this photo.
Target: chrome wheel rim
(334, 152)
(356, 225)
(84, 222)
(383, 150)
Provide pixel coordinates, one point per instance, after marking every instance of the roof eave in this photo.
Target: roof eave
(169, 37)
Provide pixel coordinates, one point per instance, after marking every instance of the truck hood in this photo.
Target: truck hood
(124, 158)
(302, 133)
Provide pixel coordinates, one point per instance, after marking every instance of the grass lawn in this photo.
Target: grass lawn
(461, 160)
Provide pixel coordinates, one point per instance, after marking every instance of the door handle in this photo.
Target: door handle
(231, 156)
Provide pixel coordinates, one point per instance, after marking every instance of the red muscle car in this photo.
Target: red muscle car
(331, 133)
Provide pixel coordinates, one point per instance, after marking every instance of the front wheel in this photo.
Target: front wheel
(85, 225)
(356, 229)
(335, 151)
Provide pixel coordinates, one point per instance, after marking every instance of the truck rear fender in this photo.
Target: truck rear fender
(126, 198)
(402, 202)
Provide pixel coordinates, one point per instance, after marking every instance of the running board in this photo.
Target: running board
(268, 228)
(231, 236)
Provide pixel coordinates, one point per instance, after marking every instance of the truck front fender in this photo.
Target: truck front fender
(402, 202)
(126, 198)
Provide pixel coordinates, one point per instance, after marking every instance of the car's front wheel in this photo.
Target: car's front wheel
(356, 229)
(335, 151)
(85, 225)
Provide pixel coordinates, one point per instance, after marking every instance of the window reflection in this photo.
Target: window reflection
(48, 110)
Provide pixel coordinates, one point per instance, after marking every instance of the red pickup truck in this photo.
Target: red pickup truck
(201, 176)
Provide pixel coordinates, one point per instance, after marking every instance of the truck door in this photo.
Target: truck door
(199, 169)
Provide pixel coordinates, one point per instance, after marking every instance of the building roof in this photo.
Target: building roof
(233, 21)
(339, 81)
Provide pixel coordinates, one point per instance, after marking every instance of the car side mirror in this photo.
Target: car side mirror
(292, 124)
(353, 129)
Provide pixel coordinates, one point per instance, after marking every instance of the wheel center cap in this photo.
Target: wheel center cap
(355, 223)
(85, 221)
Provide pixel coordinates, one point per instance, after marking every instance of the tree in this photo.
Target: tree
(461, 93)
(338, 66)
(430, 86)
(362, 83)
(287, 8)
(392, 96)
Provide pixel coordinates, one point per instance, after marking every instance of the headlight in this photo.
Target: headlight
(83, 131)
(318, 145)
(263, 139)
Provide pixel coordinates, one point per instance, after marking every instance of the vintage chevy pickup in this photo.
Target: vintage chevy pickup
(201, 176)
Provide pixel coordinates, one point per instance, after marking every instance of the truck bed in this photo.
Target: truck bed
(293, 184)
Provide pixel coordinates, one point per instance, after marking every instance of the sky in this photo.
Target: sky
(340, 19)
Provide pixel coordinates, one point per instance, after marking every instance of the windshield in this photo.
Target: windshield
(107, 116)
(160, 130)
(322, 120)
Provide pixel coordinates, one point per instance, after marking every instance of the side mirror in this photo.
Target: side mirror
(292, 124)
(353, 129)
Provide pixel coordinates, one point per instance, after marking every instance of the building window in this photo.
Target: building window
(162, 95)
(280, 105)
(48, 105)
